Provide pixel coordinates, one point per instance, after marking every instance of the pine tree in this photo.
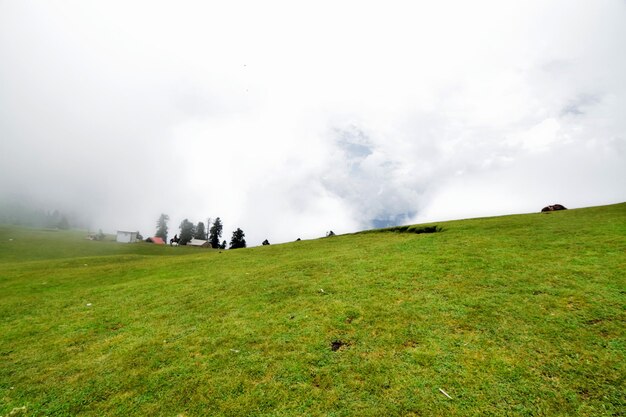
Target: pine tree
(186, 232)
(63, 224)
(53, 219)
(162, 227)
(215, 233)
(200, 232)
(238, 241)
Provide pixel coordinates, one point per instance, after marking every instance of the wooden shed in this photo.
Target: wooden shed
(126, 237)
(199, 243)
(156, 240)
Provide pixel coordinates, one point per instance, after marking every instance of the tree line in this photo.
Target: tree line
(212, 234)
(22, 214)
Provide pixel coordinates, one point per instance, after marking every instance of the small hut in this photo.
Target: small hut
(126, 237)
(199, 243)
(156, 240)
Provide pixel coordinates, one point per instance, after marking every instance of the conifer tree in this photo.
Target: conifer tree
(200, 232)
(238, 241)
(63, 224)
(162, 227)
(215, 233)
(186, 232)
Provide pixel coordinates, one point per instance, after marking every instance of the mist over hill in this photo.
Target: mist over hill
(400, 113)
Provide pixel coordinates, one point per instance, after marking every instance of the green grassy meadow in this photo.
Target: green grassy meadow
(518, 315)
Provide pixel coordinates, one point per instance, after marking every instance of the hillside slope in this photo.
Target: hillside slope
(513, 315)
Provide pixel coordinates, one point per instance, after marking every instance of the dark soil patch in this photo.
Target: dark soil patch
(337, 344)
(410, 344)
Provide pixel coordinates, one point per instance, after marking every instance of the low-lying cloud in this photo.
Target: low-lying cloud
(290, 121)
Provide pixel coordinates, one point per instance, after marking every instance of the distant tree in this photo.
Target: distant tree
(186, 232)
(238, 241)
(162, 227)
(215, 233)
(52, 219)
(63, 223)
(329, 234)
(223, 245)
(200, 233)
(265, 242)
(100, 235)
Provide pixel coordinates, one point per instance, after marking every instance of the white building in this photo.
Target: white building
(126, 237)
(199, 242)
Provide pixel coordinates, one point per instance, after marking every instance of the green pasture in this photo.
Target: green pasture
(518, 315)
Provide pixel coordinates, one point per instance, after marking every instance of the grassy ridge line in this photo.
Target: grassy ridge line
(520, 315)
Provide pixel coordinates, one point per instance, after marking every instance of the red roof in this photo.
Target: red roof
(157, 240)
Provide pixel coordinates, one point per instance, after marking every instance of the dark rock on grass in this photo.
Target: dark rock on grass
(554, 207)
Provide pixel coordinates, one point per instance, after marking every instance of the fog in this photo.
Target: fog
(290, 120)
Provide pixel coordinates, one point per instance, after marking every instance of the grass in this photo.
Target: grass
(517, 315)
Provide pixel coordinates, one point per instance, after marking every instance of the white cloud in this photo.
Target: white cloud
(291, 120)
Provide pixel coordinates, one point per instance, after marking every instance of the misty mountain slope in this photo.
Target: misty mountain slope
(516, 315)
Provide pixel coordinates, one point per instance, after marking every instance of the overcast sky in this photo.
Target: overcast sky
(289, 119)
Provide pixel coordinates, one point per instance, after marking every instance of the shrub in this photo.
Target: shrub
(417, 229)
